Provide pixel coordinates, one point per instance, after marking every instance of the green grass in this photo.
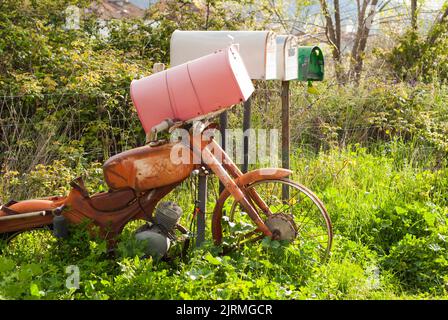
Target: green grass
(388, 204)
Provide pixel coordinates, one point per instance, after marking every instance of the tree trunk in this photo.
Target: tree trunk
(362, 35)
(333, 34)
(337, 19)
(433, 35)
(414, 15)
(366, 12)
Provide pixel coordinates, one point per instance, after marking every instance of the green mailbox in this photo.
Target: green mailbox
(311, 64)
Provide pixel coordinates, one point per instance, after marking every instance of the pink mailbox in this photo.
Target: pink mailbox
(192, 90)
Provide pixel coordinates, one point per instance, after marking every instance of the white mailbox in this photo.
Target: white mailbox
(257, 48)
(287, 57)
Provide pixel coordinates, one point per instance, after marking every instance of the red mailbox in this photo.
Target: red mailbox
(192, 90)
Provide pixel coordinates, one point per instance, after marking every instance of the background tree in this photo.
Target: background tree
(422, 55)
(414, 14)
(366, 12)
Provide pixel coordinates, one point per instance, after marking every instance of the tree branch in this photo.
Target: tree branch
(330, 30)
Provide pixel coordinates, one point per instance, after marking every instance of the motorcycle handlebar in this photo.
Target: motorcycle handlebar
(162, 126)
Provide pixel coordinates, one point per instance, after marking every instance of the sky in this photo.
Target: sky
(143, 3)
(434, 4)
(429, 4)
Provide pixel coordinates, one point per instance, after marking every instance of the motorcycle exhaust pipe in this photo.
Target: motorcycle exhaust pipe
(60, 226)
(23, 215)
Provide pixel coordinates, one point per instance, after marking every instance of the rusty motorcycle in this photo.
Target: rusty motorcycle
(264, 201)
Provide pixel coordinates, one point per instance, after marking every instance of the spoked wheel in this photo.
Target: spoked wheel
(296, 216)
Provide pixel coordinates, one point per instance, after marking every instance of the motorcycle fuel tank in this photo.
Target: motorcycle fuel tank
(147, 167)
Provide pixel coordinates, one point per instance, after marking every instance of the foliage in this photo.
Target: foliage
(421, 263)
(389, 216)
(370, 113)
(420, 56)
(53, 179)
(405, 55)
(67, 91)
(374, 153)
(63, 91)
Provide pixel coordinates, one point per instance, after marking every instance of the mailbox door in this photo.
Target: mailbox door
(287, 59)
(257, 48)
(270, 58)
(311, 64)
(281, 43)
(291, 59)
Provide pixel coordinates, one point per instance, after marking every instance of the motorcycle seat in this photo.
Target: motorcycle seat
(112, 200)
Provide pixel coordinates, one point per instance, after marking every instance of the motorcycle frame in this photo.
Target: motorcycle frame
(76, 206)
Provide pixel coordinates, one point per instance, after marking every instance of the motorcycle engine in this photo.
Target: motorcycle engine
(159, 235)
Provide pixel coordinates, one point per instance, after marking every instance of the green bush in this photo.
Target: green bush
(420, 56)
(421, 263)
(392, 224)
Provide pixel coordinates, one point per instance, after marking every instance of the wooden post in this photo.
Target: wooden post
(285, 134)
(246, 127)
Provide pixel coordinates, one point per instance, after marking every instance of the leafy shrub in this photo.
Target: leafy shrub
(48, 180)
(391, 225)
(421, 264)
(421, 56)
(372, 112)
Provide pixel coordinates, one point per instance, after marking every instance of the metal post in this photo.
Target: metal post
(223, 124)
(202, 199)
(246, 127)
(285, 134)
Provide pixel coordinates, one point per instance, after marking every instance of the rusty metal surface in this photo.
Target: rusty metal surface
(110, 223)
(282, 226)
(233, 189)
(250, 177)
(139, 179)
(145, 168)
(30, 222)
(111, 201)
